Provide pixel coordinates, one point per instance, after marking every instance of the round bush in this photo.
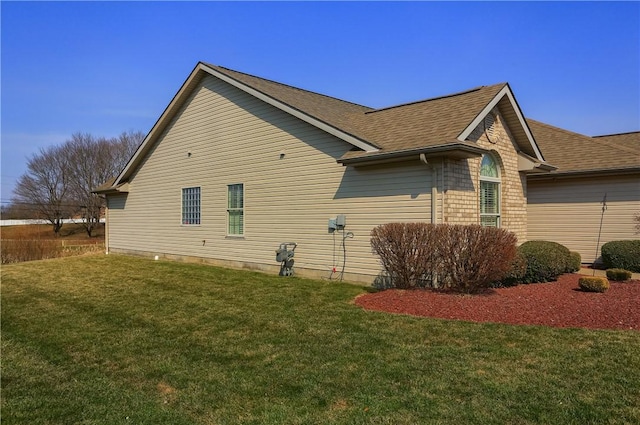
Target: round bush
(575, 262)
(619, 275)
(545, 260)
(622, 255)
(516, 273)
(593, 284)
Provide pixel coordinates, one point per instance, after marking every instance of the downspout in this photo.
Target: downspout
(445, 176)
(106, 225)
(434, 188)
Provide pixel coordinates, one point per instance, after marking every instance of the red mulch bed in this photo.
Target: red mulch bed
(559, 304)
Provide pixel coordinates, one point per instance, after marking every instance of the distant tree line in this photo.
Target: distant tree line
(59, 179)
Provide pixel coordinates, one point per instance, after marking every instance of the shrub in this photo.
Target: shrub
(575, 262)
(463, 258)
(406, 251)
(474, 256)
(545, 260)
(516, 272)
(622, 255)
(593, 284)
(619, 275)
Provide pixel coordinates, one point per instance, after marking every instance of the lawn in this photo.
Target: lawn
(121, 340)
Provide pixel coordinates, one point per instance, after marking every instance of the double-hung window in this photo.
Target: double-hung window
(191, 206)
(235, 210)
(489, 192)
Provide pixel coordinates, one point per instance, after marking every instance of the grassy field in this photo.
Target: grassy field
(68, 232)
(121, 340)
(38, 241)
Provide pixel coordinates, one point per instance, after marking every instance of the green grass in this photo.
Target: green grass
(121, 340)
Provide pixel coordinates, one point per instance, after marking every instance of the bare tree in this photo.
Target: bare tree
(85, 157)
(92, 161)
(126, 145)
(60, 179)
(45, 186)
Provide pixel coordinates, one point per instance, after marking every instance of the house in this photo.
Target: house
(566, 206)
(237, 164)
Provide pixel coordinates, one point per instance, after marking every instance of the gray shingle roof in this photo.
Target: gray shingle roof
(574, 152)
(433, 124)
(335, 112)
(427, 123)
(430, 122)
(630, 140)
(439, 121)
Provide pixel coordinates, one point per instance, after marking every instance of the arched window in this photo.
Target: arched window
(489, 192)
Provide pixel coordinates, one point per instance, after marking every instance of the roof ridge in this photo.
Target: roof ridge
(616, 134)
(609, 143)
(558, 128)
(435, 98)
(285, 85)
(617, 145)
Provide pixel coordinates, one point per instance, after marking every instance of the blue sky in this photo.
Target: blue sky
(105, 68)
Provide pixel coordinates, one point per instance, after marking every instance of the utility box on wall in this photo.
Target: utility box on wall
(337, 223)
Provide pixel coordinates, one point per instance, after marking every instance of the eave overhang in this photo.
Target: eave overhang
(451, 150)
(528, 164)
(112, 190)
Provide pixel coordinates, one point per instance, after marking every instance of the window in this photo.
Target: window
(191, 205)
(489, 192)
(235, 211)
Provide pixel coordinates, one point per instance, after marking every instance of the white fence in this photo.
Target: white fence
(23, 222)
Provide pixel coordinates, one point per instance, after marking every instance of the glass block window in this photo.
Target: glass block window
(489, 192)
(235, 210)
(191, 205)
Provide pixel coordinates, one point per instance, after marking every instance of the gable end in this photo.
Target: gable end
(187, 88)
(508, 106)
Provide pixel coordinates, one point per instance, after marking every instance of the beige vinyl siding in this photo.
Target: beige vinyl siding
(568, 211)
(234, 138)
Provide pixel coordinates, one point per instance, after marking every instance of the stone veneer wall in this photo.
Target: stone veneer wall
(462, 177)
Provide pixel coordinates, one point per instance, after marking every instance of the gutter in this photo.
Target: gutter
(528, 164)
(112, 190)
(451, 150)
(434, 187)
(584, 173)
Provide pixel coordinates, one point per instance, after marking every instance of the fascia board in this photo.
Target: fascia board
(529, 164)
(585, 173)
(459, 150)
(112, 190)
(295, 112)
(505, 91)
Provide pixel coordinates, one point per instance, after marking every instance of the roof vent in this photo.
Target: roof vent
(489, 127)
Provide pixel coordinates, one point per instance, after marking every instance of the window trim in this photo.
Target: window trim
(182, 207)
(498, 182)
(229, 210)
